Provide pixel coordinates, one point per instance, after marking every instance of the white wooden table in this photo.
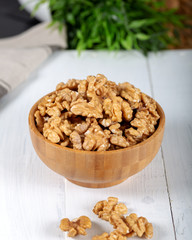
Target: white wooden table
(33, 199)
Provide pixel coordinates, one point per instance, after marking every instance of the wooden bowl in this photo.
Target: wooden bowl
(96, 169)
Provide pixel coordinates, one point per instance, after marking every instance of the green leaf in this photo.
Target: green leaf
(128, 42)
(37, 5)
(79, 34)
(142, 23)
(137, 24)
(142, 36)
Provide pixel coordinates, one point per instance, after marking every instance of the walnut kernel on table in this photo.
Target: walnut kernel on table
(139, 226)
(124, 226)
(112, 236)
(96, 114)
(104, 209)
(76, 226)
(131, 225)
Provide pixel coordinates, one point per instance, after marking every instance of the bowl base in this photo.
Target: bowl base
(97, 185)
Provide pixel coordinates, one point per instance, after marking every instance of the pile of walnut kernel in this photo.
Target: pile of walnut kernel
(76, 226)
(124, 226)
(96, 115)
(113, 212)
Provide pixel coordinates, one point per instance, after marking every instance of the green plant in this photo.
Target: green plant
(116, 24)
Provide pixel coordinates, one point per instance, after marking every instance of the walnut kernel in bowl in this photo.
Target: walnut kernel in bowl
(96, 115)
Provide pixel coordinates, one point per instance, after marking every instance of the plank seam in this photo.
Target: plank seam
(150, 78)
(65, 204)
(162, 155)
(165, 173)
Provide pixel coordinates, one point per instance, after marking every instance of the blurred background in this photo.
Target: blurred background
(14, 21)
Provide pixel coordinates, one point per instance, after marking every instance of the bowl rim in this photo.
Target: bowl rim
(32, 126)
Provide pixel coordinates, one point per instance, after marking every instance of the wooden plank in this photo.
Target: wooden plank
(33, 199)
(171, 73)
(144, 193)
